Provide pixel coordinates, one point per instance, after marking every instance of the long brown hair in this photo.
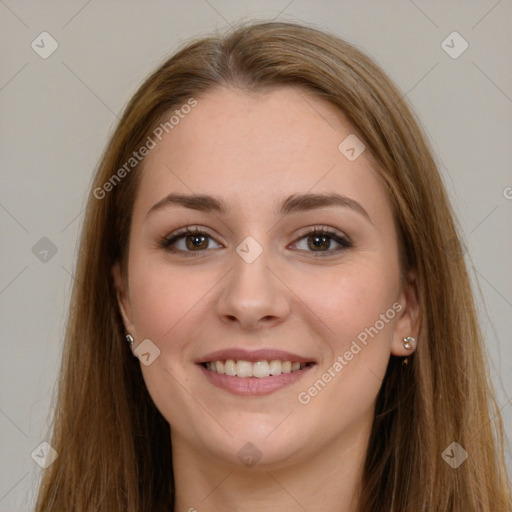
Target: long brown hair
(114, 451)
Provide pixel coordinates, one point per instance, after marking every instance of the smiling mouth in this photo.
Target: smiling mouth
(259, 369)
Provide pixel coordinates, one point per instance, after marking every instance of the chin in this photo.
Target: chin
(265, 445)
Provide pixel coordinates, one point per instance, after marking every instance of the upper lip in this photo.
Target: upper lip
(263, 354)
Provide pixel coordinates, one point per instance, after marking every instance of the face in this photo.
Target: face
(279, 275)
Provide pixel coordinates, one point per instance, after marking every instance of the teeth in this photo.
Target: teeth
(275, 367)
(243, 369)
(259, 369)
(229, 367)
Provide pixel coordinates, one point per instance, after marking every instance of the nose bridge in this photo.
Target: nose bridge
(252, 294)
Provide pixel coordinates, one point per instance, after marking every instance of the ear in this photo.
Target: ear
(408, 318)
(123, 300)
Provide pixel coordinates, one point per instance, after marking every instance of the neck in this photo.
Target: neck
(328, 479)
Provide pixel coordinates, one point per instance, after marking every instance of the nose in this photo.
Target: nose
(254, 296)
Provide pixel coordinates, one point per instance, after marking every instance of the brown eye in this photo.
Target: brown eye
(194, 242)
(321, 240)
(188, 240)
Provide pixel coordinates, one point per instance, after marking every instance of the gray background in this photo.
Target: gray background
(58, 112)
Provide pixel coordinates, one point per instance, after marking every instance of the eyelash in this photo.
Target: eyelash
(345, 243)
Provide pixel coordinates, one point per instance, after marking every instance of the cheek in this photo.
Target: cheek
(358, 308)
(354, 299)
(163, 298)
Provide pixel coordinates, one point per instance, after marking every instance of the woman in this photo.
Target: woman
(271, 308)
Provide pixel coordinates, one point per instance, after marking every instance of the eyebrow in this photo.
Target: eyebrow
(292, 204)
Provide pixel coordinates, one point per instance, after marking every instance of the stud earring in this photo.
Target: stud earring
(409, 342)
(129, 339)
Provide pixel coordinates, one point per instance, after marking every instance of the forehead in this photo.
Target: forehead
(252, 148)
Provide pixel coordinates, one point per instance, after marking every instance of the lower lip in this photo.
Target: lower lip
(254, 386)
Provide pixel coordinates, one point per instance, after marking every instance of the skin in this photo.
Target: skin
(254, 150)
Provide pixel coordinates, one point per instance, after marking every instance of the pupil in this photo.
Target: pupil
(320, 241)
(198, 240)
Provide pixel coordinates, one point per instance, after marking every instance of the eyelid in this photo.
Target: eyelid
(324, 228)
